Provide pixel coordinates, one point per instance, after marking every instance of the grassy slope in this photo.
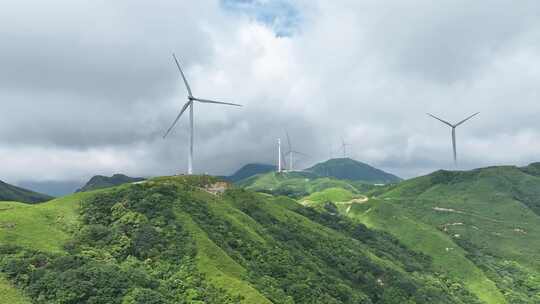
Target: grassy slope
(295, 183)
(40, 227)
(485, 204)
(10, 295)
(331, 194)
(54, 218)
(491, 208)
(427, 239)
(43, 227)
(222, 271)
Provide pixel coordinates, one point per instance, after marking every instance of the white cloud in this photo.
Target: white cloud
(91, 87)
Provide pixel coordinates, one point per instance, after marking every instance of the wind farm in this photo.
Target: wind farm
(318, 179)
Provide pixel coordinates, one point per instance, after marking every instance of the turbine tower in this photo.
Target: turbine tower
(453, 126)
(291, 153)
(279, 154)
(344, 147)
(189, 104)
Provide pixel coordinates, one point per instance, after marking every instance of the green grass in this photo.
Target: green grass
(464, 221)
(330, 195)
(485, 203)
(447, 256)
(221, 270)
(45, 227)
(492, 209)
(297, 184)
(10, 295)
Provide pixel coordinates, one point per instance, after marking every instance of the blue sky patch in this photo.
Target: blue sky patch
(281, 15)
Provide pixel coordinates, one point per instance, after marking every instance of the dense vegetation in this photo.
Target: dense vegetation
(448, 237)
(129, 248)
(168, 240)
(102, 182)
(12, 193)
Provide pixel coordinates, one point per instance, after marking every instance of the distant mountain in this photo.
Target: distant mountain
(350, 169)
(250, 170)
(298, 184)
(13, 193)
(54, 188)
(101, 182)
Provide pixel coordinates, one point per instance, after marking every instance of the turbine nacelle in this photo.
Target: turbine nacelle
(453, 126)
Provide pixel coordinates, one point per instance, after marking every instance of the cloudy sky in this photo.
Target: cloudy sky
(89, 87)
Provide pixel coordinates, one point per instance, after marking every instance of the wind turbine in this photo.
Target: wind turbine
(281, 157)
(453, 126)
(344, 147)
(291, 153)
(189, 104)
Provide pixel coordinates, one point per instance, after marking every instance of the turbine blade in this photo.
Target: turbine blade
(184, 108)
(300, 153)
(288, 141)
(443, 121)
(283, 160)
(183, 76)
(467, 118)
(217, 102)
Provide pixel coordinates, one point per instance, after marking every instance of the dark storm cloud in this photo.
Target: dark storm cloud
(89, 87)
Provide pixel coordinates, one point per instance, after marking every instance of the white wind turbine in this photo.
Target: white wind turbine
(189, 104)
(291, 153)
(344, 146)
(453, 126)
(281, 157)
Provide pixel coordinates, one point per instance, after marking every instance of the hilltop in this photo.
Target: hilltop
(250, 170)
(480, 227)
(13, 193)
(169, 240)
(102, 182)
(298, 184)
(354, 176)
(350, 169)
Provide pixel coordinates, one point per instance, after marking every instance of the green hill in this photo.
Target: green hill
(176, 240)
(298, 184)
(346, 168)
(480, 227)
(12, 193)
(250, 170)
(102, 182)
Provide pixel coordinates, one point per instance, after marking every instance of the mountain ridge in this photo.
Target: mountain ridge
(10, 192)
(350, 169)
(102, 182)
(133, 243)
